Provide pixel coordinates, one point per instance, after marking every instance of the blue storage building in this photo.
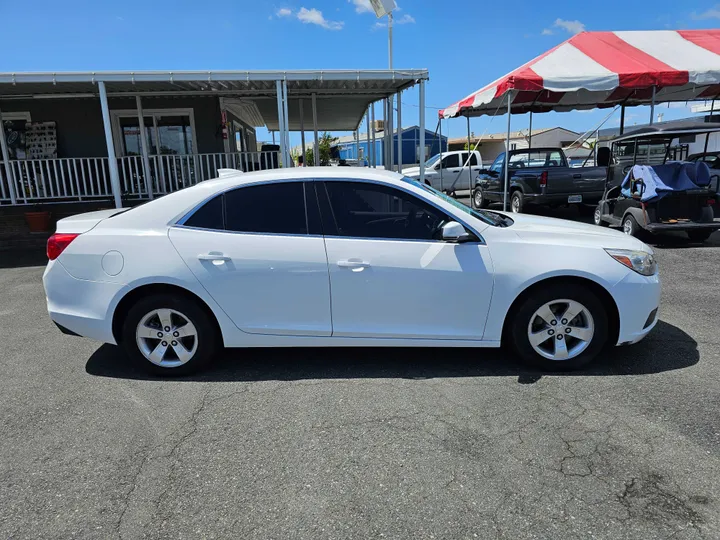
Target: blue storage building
(410, 146)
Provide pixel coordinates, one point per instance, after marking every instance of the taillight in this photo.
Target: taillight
(543, 179)
(57, 243)
(711, 201)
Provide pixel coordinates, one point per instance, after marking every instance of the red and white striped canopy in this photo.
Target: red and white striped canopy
(604, 69)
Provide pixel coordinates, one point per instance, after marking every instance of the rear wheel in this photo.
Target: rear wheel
(560, 327)
(699, 236)
(517, 201)
(478, 199)
(630, 226)
(169, 335)
(597, 217)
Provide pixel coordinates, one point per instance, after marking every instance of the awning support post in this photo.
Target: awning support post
(302, 132)
(286, 122)
(652, 106)
(112, 159)
(356, 134)
(226, 130)
(367, 126)
(422, 131)
(281, 122)
(144, 147)
(441, 152)
(6, 162)
(399, 134)
(622, 119)
(507, 151)
(316, 144)
(372, 127)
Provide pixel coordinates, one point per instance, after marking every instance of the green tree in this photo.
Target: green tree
(325, 143)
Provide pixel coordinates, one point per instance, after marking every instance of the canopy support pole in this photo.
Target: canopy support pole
(399, 132)
(422, 131)
(144, 147)
(367, 122)
(530, 133)
(441, 152)
(707, 137)
(622, 119)
(316, 145)
(507, 151)
(281, 122)
(286, 122)
(112, 160)
(6, 162)
(652, 106)
(302, 132)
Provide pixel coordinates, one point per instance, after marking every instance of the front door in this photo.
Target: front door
(254, 249)
(391, 276)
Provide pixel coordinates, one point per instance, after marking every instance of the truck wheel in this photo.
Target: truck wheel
(597, 217)
(630, 226)
(478, 199)
(699, 236)
(517, 201)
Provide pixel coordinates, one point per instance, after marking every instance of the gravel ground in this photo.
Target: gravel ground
(377, 443)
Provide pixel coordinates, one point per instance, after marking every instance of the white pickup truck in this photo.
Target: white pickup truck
(450, 171)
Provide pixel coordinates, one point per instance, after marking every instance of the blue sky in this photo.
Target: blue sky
(464, 44)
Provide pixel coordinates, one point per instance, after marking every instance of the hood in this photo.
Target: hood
(412, 171)
(561, 231)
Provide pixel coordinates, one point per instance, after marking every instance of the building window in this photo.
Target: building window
(513, 146)
(168, 131)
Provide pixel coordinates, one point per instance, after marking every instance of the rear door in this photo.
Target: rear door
(259, 252)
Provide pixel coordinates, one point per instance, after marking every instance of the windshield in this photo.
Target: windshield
(430, 162)
(491, 218)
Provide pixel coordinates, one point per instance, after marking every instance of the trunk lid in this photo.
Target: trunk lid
(82, 223)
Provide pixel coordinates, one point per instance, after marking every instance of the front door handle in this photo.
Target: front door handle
(215, 258)
(577, 176)
(353, 264)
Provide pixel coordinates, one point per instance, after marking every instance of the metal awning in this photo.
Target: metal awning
(343, 96)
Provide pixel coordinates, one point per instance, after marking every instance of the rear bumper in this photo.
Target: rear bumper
(79, 306)
(637, 298)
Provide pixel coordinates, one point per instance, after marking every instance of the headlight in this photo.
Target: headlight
(640, 261)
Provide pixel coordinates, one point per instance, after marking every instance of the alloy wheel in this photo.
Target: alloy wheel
(478, 198)
(515, 205)
(167, 338)
(561, 329)
(628, 227)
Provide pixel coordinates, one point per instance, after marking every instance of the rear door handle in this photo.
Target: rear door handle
(577, 176)
(353, 264)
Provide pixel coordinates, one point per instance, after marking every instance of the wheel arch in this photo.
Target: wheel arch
(129, 299)
(601, 292)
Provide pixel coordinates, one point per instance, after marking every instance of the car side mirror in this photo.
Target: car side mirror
(454, 232)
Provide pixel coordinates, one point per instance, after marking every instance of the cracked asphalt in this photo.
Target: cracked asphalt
(375, 443)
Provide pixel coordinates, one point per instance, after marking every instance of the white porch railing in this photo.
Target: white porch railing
(81, 179)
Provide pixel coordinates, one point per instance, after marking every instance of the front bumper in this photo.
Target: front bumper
(636, 297)
(80, 306)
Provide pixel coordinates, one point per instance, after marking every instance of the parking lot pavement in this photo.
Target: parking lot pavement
(375, 443)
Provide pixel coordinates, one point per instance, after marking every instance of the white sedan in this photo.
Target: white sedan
(314, 257)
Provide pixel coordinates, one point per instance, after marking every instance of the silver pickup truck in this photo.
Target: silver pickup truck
(540, 176)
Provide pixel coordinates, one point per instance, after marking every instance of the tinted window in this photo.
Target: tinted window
(497, 165)
(268, 208)
(365, 210)
(473, 160)
(452, 160)
(208, 216)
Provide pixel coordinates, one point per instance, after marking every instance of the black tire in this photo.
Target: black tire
(517, 201)
(521, 320)
(699, 236)
(206, 334)
(478, 199)
(597, 214)
(631, 227)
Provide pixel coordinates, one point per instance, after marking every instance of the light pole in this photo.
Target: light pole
(382, 8)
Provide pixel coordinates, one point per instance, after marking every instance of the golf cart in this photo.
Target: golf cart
(650, 189)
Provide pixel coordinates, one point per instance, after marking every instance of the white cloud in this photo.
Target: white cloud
(284, 12)
(547, 32)
(362, 6)
(573, 27)
(315, 16)
(712, 13)
(378, 26)
(406, 19)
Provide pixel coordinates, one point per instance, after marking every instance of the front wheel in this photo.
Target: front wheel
(517, 202)
(560, 327)
(699, 236)
(169, 335)
(478, 199)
